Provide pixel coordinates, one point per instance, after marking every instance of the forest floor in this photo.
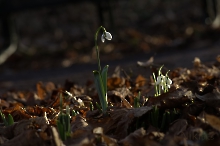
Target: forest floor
(34, 80)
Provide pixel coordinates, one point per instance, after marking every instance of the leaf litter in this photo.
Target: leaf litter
(188, 114)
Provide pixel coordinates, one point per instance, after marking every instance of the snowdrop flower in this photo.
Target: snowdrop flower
(106, 35)
(160, 80)
(166, 83)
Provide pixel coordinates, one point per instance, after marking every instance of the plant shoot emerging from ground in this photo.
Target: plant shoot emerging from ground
(7, 120)
(101, 75)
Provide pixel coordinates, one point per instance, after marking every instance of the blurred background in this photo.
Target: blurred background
(54, 41)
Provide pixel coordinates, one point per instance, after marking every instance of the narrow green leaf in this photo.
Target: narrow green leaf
(3, 118)
(136, 102)
(163, 121)
(67, 123)
(157, 115)
(91, 106)
(73, 113)
(98, 107)
(100, 90)
(61, 131)
(10, 120)
(104, 75)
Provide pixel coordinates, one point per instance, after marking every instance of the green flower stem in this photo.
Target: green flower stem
(156, 89)
(96, 45)
(166, 87)
(91, 106)
(98, 107)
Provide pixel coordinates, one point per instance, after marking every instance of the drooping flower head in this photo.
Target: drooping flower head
(106, 35)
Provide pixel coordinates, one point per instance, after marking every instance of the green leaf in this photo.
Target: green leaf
(3, 118)
(101, 90)
(163, 121)
(61, 131)
(73, 113)
(136, 102)
(98, 107)
(10, 120)
(67, 123)
(104, 75)
(91, 106)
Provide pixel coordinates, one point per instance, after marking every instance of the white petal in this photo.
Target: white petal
(158, 80)
(108, 36)
(169, 81)
(162, 87)
(103, 38)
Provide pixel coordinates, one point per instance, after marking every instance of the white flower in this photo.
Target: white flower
(168, 81)
(160, 80)
(164, 82)
(106, 35)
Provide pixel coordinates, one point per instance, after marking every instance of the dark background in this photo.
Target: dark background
(57, 42)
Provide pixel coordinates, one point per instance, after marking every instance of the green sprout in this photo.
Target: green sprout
(154, 116)
(91, 106)
(161, 120)
(7, 120)
(161, 82)
(101, 75)
(98, 107)
(63, 122)
(137, 100)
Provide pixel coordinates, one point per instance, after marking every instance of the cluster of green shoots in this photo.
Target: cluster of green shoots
(161, 120)
(7, 120)
(63, 122)
(137, 100)
(101, 74)
(161, 82)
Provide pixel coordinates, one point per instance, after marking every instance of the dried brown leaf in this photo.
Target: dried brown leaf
(115, 82)
(81, 137)
(41, 92)
(122, 118)
(178, 127)
(79, 122)
(147, 63)
(212, 99)
(122, 93)
(213, 121)
(140, 81)
(138, 138)
(172, 99)
(28, 137)
(42, 122)
(155, 135)
(4, 103)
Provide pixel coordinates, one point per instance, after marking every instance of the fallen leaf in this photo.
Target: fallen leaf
(138, 138)
(213, 121)
(41, 92)
(212, 99)
(147, 63)
(120, 120)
